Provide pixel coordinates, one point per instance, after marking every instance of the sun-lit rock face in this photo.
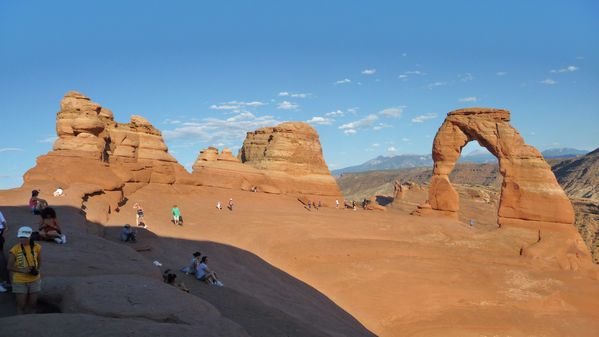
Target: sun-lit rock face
(285, 159)
(529, 191)
(91, 146)
(292, 147)
(530, 194)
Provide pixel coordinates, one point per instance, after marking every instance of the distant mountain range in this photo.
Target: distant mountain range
(414, 160)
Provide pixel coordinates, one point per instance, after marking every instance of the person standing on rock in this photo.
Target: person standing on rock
(24, 262)
(176, 215)
(337, 203)
(231, 204)
(139, 215)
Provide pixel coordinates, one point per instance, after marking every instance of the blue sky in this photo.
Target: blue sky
(374, 78)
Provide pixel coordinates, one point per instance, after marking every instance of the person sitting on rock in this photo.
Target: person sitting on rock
(194, 265)
(59, 192)
(170, 278)
(219, 206)
(128, 234)
(176, 215)
(37, 204)
(230, 204)
(49, 229)
(24, 263)
(206, 274)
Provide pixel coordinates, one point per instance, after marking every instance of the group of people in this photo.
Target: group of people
(230, 205)
(49, 229)
(199, 268)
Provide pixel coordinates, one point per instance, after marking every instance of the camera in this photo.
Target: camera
(33, 271)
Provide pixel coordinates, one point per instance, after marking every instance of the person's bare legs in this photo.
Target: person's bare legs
(32, 303)
(21, 303)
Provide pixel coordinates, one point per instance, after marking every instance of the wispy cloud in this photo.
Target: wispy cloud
(391, 149)
(501, 73)
(564, 70)
(423, 118)
(343, 81)
(408, 73)
(394, 112)
(465, 77)
(436, 84)
(49, 139)
(336, 113)
(359, 124)
(286, 105)
(548, 81)
(350, 132)
(381, 126)
(229, 130)
(468, 99)
(236, 105)
(318, 120)
(10, 149)
(294, 94)
(368, 71)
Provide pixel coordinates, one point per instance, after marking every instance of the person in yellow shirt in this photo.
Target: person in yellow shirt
(24, 262)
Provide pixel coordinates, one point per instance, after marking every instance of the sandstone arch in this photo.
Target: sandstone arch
(529, 192)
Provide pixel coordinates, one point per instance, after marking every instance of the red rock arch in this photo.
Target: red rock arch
(529, 191)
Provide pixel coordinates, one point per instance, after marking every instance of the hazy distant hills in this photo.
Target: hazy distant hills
(404, 161)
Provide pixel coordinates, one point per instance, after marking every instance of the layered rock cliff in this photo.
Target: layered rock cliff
(285, 159)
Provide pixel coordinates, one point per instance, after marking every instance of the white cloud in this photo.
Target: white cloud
(423, 118)
(468, 99)
(286, 105)
(564, 70)
(343, 81)
(394, 112)
(336, 113)
(359, 124)
(10, 149)
(375, 145)
(320, 120)
(381, 126)
(236, 105)
(391, 149)
(230, 130)
(50, 139)
(548, 81)
(171, 121)
(368, 71)
(501, 73)
(405, 139)
(465, 77)
(407, 74)
(436, 84)
(294, 94)
(350, 132)
(353, 110)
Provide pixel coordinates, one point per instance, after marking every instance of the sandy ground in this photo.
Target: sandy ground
(398, 275)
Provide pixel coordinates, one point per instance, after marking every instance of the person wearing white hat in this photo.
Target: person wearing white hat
(24, 262)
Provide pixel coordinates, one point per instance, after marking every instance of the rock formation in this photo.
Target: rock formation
(283, 159)
(530, 194)
(103, 157)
